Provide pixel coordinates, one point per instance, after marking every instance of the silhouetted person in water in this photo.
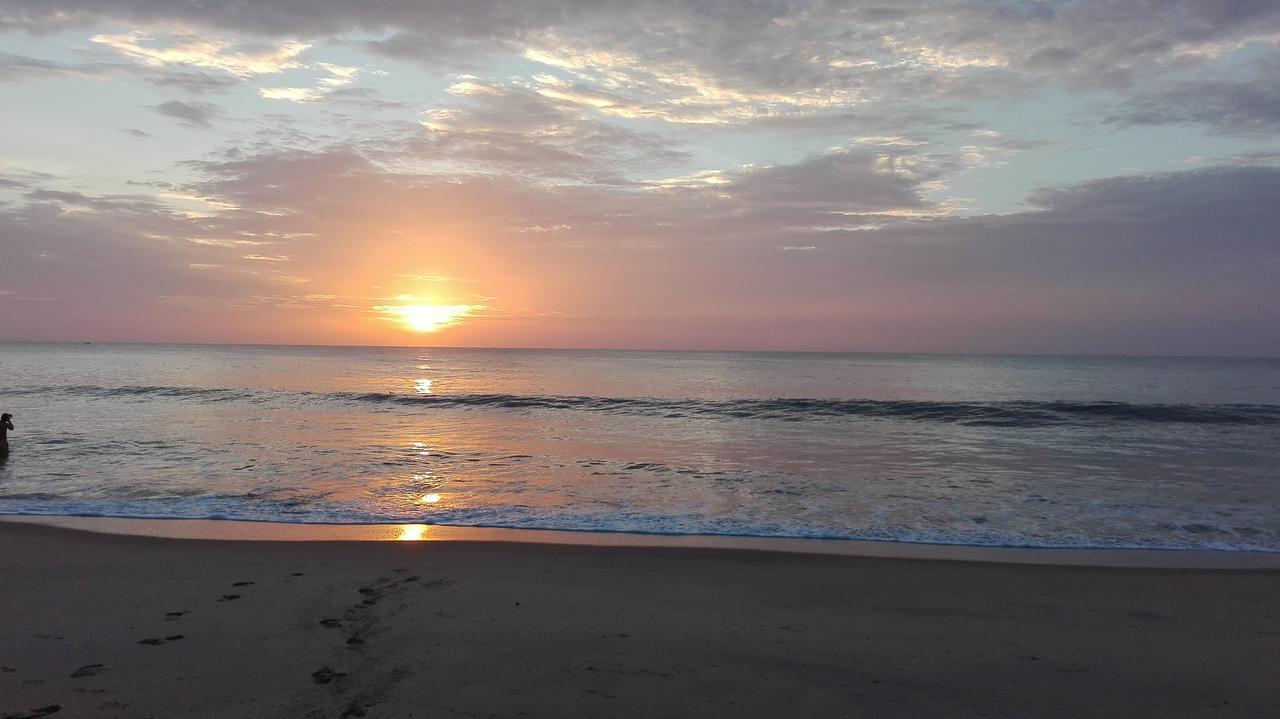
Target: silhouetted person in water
(6, 424)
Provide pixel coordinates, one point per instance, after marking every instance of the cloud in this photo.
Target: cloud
(292, 94)
(339, 75)
(1135, 251)
(433, 49)
(842, 180)
(1243, 159)
(195, 83)
(366, 96)
(509, 128)
(18, 68)
(337, 78)
(191, 114)
(201, 51)
(1233, 105)
(100, 260)
(623, 85)
(1215, 195)
(67, 198)
(16, 177)
(725, 62)
(840, 250)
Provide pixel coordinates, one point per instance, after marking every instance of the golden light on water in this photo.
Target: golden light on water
(424, 317)
(412, 532)
(430, 498)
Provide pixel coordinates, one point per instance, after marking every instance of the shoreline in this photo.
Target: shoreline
(238, 530)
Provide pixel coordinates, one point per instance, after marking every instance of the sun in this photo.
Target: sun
(429, 318)
(424, 317)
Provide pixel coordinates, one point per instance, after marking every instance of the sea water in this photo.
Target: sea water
(1172, 453)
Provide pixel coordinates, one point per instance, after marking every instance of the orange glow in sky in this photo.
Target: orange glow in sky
(424, 317)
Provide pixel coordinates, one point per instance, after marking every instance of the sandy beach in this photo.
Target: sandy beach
(126, 626)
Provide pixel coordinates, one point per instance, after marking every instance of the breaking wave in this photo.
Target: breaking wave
(990, 414)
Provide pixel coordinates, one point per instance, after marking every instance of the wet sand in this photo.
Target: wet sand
(128, 626)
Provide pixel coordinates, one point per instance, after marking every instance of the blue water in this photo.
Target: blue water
(991, 450)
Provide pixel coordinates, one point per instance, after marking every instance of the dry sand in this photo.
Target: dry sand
(120, 626)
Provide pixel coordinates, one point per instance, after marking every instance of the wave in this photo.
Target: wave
(1011, 414)
(1168, 537)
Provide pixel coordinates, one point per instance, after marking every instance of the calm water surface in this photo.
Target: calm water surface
(993, 450)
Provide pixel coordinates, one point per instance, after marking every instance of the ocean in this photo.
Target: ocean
(1161, 453)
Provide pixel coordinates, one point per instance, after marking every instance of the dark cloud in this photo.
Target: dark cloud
(881, 14)
(438, 50)
(363, 96)
(1246, 103)
(1214, 194)
(854, 181)
(1195, 232)
(16, 178)
(1250, 159)
(66, 198)
(1173, 263)
(192, 114)
(196, 83)
(19, 67)
(458, 18)
(16, 68)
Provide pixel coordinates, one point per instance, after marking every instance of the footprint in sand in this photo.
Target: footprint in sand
(155, 642)
(324, 675)
(371, 596)
(229, 597)
(170, 616)
(330, 623)
(35, 713)
(353, 710)
(87, 670)
(437, 583)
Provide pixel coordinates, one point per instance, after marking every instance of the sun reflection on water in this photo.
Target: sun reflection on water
(432, 498)
(412, 532)
(423, 386)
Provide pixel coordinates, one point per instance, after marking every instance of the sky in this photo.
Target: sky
(1081, 176)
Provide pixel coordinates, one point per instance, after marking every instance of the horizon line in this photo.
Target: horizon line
(646, 349)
